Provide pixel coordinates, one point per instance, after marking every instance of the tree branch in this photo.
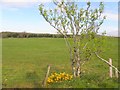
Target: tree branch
(85, 45)
(107, 62)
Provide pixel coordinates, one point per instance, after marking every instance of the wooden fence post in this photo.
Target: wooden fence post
(46, 77)
(110, 72)
(116, 73)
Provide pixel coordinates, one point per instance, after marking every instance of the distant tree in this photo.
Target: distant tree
(0, 34)
(15, 35)
(82, 24)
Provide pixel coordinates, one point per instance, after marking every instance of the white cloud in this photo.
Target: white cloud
(6, 1)
(0, 17)
(111, 24)
(113, 33)
(14, 9)
(24, 1)
(110, 30)
(98, 0)
(21, 3)
(111, 16)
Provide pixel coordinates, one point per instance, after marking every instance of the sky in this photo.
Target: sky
(24, 16)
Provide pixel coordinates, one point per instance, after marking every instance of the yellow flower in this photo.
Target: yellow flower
(51, 80)
(58, 77)
(67, 75)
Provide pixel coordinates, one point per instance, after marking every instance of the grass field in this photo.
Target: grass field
(25, 60)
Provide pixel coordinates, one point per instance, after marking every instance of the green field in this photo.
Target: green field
(25, 60)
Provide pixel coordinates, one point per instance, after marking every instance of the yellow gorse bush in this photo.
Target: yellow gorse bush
(58, 77)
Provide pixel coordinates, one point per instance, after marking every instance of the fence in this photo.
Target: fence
(111, 67)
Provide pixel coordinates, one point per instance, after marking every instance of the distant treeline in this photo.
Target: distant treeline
(28, 35)
(31, 35)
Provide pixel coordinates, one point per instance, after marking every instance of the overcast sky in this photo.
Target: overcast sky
(23, 15)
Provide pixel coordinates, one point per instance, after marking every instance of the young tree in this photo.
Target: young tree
(82, 24)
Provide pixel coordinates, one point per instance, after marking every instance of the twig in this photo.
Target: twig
(85, 45)
(83, 63)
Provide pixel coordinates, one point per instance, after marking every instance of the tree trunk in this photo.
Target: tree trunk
(78, 71)
(76, 63)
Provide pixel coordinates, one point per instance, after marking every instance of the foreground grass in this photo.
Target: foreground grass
(25, 63)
